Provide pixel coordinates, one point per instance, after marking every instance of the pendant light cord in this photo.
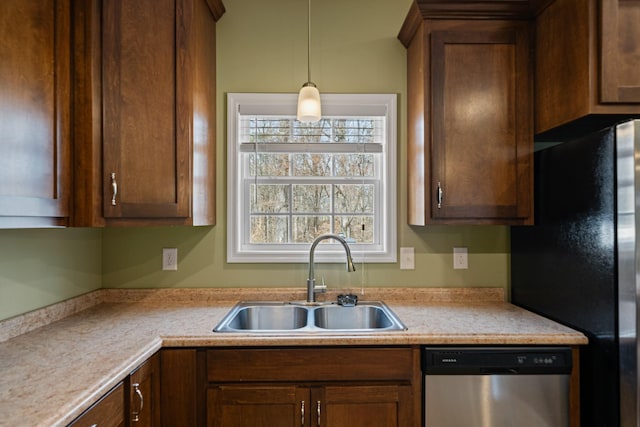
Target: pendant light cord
(309, 42)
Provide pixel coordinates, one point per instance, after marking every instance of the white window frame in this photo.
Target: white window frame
(332, 104)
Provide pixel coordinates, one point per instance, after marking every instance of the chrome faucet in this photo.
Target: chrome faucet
(312, 289)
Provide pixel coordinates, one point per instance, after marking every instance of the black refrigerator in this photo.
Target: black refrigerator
(579, 265)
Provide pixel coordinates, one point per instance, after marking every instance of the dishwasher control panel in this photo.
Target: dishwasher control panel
(497, 360)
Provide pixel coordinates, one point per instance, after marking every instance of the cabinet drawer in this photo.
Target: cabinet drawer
(310, 364)
(108, 412)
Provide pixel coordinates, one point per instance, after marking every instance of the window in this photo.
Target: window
(289, 182)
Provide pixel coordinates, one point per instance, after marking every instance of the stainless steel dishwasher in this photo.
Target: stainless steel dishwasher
(496, 387)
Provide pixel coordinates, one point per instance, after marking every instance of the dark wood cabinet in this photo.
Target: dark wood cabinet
(145, 126)
(587, 61)
(144, 394)
(341, 387)
(183, 382)
(107, 412)
(470, 118)
(341, 405)
(134, 402)
(35, 112)
(337, 386)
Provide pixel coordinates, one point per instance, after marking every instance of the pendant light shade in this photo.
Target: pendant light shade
(309, 107)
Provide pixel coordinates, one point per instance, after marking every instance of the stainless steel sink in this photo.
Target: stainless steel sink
(358, 317)
(267, 317)
(298, 317)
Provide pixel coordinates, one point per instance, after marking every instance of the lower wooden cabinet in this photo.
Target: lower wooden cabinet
(295, 386)
(134, 402)
(336, 405)
(107, 412)
(144, 394)
(350, 387)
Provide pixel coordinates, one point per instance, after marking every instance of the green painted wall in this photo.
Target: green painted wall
(42, 267)
(262, 48)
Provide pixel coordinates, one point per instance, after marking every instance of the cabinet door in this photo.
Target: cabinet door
(144, 394)
(620, 51)
(182, 394)
(107, 412)
(146, 127)
(35, 107)
(482, 143)
(258, 406)
(362, 406)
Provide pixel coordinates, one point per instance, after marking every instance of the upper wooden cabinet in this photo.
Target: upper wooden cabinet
(145, 122)
(470, 120)
(587, 60)
(35, 112)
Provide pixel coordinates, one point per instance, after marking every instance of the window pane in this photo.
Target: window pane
(268, 131)
(270, 198)
(312, 198)
(269, 229)
(307, 228)
(312, 164)
(352, 228)
(354, 165)
(354, 198)
(351, 130)
(311, 132)
(268, 164)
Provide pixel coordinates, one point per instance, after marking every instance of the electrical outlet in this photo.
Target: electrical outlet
(407, 259)
(169, 258)
(460, 261)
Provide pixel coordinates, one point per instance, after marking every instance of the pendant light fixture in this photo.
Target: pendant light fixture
(309, 108)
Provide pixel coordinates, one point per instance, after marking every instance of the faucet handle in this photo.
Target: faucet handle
(320, 288)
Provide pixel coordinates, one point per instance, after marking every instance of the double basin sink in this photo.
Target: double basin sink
(373, 316)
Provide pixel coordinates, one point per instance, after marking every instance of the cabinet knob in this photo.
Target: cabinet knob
(114, 188)
(318, 411)
(135, 414)
(440, 195)
(302, 413)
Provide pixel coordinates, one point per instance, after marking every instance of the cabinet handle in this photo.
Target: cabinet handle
(440, 195)
(135, 415)
(302, 414)
(114, 187)
(318, 404)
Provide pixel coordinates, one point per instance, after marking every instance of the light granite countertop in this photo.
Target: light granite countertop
(53, 370)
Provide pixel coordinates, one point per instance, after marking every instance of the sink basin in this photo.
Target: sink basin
(264, 317)
(358, 317)
(297, 317)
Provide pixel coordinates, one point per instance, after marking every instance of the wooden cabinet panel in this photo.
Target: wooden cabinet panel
(361, 386)
(183, 387)
(481, 152)
(107, 412)
(146, 115)
(258, 406)
(587, 57)
(309, 364)
(146, 77)
(35, 112)
(470, 137)
(362, 406)
(620, 50)
(144, 394)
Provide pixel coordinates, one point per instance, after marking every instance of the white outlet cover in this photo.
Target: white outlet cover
(460, 259)
(407, 259)
(170, 259)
